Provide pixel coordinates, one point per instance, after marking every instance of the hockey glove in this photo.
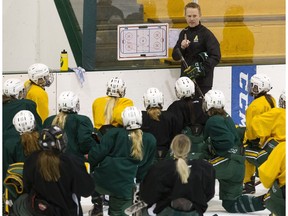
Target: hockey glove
(253, 143)
(194, 71)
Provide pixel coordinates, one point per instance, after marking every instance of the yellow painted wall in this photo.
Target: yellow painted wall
(246, 39)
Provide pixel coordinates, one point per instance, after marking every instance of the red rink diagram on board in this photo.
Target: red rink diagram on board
(142, 41)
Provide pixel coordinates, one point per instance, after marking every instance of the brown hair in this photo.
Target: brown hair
(29, 141)
(49, 165)
(193, 5)
(217, 111)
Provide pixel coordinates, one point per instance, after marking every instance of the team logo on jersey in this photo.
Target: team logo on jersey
(195, 39)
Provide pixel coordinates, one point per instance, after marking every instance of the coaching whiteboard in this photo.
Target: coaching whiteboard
(142, 41)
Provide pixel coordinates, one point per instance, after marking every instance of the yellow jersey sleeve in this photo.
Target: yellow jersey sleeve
(274, 168)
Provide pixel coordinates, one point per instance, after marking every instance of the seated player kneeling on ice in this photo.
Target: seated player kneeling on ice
(54, 181)
(178, 186)
(190, 115)
(226, 156)
(122, 155)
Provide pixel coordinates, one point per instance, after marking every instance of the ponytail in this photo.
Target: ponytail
(108, 113)
(183, 170)
(49, 165)
(60, 120)
(154, 113)
(137, 144)
(29, 141)
(180, 147)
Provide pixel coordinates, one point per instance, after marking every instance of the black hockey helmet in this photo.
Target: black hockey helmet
(53, 138)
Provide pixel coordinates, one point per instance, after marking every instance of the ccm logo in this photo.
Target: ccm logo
(243, 97)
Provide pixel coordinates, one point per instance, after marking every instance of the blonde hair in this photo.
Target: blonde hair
(108, 113)
(60, 120)
(154, 113)
(180, 148)
(137, 144)
(49, 165)
(29, 141)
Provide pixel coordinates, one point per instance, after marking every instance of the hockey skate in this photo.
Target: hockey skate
(249, 187)
(97, 207)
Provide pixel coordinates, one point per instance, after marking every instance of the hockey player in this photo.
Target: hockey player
(78, 128)
(272, 174)
(162, 124)
(107, 110)
(17, 149)
(260, 85)
(122, 155)
(179, 186)
(189, 113)
(226, 156)
(13, 102)
(39, 78)
(267, 130)
(53, 188)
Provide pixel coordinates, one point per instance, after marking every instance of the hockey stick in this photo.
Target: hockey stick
(186, 66)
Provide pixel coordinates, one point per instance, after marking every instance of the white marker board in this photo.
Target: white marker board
(142, 41)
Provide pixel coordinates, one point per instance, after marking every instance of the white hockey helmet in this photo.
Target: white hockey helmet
(153, 98)
(214, 99)
(53, 138)
(68, 101)
(259, 83)
(132, 118)
(184, 87)
(40, 74)
(14, 88)
(282, 100)
(24, 121)
(116, 87)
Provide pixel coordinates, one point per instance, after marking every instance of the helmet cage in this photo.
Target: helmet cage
(282, 100)
(259, 83)
(40, 74)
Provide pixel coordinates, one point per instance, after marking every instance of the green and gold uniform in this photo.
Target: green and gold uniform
(12, 148)
(272, 174)
(79, 130)
(114, 169)
(224, 142)
(258, 106)
(270, 129)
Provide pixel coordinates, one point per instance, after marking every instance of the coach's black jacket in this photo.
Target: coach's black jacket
(202, 40)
